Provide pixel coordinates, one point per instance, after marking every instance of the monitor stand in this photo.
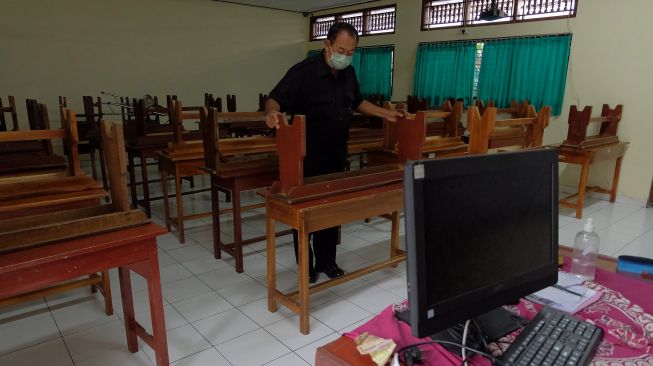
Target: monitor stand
(491, 326)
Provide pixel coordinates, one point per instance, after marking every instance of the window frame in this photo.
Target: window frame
(366, 13)
(513, 17)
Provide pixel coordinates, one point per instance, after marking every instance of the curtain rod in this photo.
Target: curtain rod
(499, 38)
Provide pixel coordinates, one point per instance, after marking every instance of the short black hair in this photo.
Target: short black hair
(336, 28)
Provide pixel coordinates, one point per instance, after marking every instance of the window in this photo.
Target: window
(366, 21)
(461, 13)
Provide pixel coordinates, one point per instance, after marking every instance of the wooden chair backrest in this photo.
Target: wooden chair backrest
(579, 121)
(37, 116)
(210, 101)
(262, 98)
(415, 104)
(231, 103)
(11, 109)
(482, 128)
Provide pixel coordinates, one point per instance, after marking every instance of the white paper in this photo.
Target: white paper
(563, 300)
(566, 279)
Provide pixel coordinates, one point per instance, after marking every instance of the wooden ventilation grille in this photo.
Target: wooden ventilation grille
(461, 13)
(367, 22)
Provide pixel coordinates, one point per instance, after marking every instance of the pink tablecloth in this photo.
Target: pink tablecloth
(623, 311)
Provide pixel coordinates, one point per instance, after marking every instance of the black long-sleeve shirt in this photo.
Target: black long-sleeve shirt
(309, 88)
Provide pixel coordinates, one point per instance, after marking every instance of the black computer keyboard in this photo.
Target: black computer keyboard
(554, 338)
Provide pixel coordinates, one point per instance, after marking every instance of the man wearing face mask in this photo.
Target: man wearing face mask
(324, 88)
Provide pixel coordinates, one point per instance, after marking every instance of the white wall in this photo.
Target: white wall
(610, 55)
(184, 47)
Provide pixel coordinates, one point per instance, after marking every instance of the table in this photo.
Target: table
(624, 312)
(318, 214)
(585, 157)
(132, 249)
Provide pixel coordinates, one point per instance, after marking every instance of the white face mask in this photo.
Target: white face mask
(339, 61)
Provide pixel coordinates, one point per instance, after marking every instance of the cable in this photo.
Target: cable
(462, 351)
(401, 350)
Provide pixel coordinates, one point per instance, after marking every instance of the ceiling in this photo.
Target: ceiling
(301, 6)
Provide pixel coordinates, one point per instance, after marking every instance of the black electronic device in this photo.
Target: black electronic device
(481, 232)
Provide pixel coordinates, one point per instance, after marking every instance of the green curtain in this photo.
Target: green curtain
(373, 67)
(532, 68)
(445, 70)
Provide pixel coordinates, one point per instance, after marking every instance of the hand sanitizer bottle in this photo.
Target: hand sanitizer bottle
(586, 248)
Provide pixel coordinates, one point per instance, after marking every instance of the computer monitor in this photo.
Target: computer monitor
(481, 232)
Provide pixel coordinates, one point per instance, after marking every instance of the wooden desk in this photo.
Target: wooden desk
(585, 157)
(130, 249)
(318, 214)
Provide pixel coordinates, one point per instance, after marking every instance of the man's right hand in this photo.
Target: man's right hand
(271, 120)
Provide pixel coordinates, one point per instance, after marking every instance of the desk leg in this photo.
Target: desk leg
(580, 203)
(303, 277)
(615, 179)
(160, 342)
(103, 168)
(180, 208)
(132, 181)
(215, 207)
(164, 188)
(146, 186)
(128, 308)
(272, 264)
(394, 236)
(91, 153)
(238, 229)
(106, 292)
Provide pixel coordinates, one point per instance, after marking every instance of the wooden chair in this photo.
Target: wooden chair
(236, 164)
(311, 204)
(11, 109)
(583, 149)
(483, 129)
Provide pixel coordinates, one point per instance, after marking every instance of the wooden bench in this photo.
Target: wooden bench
(237, 164)
(316, 203)
(26, 155)
(482, 130)
(38, 210)
(414, 128)
(583, 149)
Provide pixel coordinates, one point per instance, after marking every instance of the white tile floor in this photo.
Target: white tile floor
(216, 316)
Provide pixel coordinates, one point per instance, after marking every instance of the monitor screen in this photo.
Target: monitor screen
(481, 232)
